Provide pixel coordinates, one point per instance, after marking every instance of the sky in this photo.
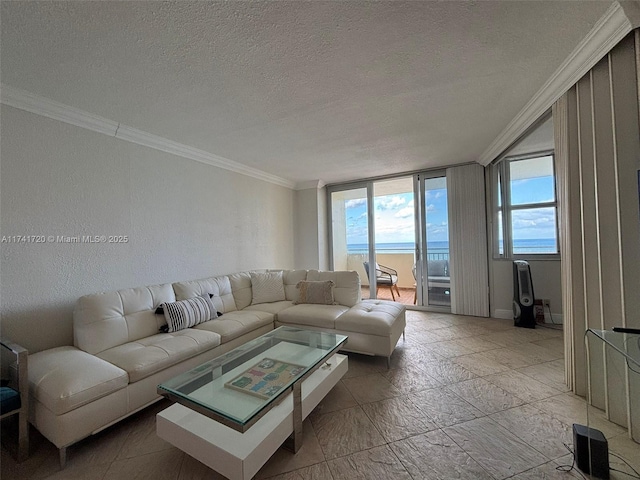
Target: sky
(394, 218)
(394, 214)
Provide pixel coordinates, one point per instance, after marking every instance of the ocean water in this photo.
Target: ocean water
(521, 246)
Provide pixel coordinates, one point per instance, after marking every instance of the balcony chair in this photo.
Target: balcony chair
(384, 276)
(14, 397)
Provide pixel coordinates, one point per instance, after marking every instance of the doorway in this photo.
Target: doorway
(380, 228)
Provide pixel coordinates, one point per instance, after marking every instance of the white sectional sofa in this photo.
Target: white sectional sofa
(120, 355)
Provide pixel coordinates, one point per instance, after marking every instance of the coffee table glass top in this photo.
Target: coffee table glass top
(239, 386)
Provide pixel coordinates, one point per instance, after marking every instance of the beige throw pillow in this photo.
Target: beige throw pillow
(318, 292)
(267, 287)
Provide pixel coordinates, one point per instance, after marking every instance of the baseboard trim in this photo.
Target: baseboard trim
(499, 313)
(508, 314)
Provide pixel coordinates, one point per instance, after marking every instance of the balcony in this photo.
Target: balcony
(439, 286)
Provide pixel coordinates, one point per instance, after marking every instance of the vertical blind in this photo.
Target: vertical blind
(597, 136)
(468, 241)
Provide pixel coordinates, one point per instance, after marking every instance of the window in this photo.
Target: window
(525, 207)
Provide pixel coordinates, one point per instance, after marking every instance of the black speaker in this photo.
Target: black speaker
(582, 437)
(523, 297)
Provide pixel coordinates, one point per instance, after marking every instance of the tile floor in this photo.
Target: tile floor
(465, 398)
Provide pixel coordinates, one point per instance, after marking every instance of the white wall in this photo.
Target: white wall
(311, 247)
(184, 220)
(546, 284)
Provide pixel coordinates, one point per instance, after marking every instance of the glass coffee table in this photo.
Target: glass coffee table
(233, 412)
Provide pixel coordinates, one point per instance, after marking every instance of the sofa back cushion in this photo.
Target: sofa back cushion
(291, 279)
(241, 288)
(243, 293)
(347, 285)
(106, 320)
(219, 287)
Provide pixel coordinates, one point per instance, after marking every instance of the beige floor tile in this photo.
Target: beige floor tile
(425, 337)
(416, 355)
(540, 430)
(480, 364)
(85, 472)
(41, 451)
(433, 323)
(511, 357)
(538, 353)
(434, 456)
(142, 438)
(192, 469)
(378, 462)
(499, 451)
(285, 461)
(496, 324)
(444, 407)
(153, 466)
(550, 471)
(570, 409)
(555, 344)
(370, 388)
(477, 344)
(99, 449)
(522, 386)
(551, 331)
(450, 348)
(485, 396)
(410, 379)
(472, 328)
(319, 471)
(622, 446)
(549, 373)
(338, 398)
(364, 365)
(398, 418)
(345, 432)
(514, 336)
(447, 372)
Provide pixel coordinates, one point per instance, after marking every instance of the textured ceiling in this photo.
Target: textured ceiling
(329, 91)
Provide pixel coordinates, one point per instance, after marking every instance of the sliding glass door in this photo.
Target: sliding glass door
(432, 249)
(350, 242)
(380, 229)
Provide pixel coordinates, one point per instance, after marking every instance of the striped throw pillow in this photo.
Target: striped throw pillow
(187, 313)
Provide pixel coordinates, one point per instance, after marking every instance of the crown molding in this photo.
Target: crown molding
(612, 27)
(317, 184)
(30, 102)
(156, 142)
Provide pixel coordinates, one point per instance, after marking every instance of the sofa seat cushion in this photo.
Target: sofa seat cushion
(65, 378)
(234, 324)
(149, 355)
(375, 317)
(313, 315)
(272, 308)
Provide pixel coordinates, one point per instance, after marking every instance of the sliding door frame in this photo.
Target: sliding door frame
(420, 236)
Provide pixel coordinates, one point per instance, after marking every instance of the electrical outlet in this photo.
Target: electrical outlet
(546, 303)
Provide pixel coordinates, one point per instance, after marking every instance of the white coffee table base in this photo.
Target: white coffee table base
(240, 455)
